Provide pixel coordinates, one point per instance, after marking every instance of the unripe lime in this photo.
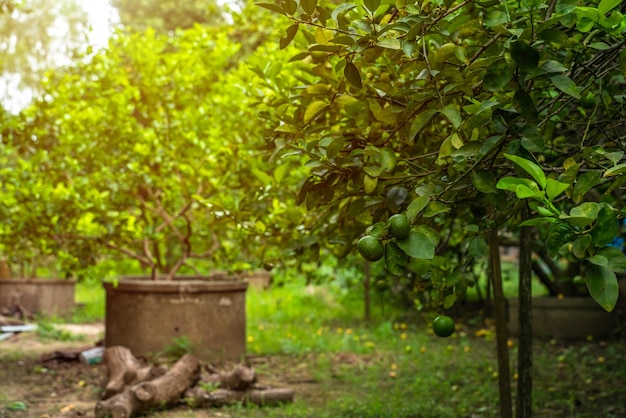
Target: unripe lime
(370, 248)
(443, 326)
(399, 226)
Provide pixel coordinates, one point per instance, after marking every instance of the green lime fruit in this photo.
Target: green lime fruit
(399, 226)
(443, 326)
(370, 248)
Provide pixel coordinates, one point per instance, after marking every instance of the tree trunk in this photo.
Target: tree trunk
(504, 382)
(160, 392)
(524, 355)
(366, 287)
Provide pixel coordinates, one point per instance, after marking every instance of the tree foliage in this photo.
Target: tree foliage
(150, 150)
(458, 113)
(167, 16)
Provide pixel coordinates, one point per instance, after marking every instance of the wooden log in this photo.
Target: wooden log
(198, 397)
(240, 378)
(7, 320)
(122, 367)
(160, 392)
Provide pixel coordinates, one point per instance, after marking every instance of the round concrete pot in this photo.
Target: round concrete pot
(567, 318)
(147, 316)
(44, 296)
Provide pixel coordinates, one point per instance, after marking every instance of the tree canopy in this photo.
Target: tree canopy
(459, 114)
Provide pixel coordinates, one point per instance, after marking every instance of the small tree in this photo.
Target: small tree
(462, 115)
(150, 151)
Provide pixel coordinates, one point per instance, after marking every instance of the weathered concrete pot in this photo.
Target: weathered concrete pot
(44, 296)
(259, 279)
(146, 316)
(567, 318)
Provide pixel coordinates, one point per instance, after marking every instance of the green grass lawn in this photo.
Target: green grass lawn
(315, 339)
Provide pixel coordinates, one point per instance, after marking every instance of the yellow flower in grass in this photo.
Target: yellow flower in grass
(348, 330)
(250, 339)
(369, 344)
(403, 336)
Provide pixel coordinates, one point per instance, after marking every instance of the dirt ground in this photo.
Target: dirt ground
(31, 387)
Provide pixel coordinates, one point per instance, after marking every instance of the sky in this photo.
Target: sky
(102, 16)
(102, 19)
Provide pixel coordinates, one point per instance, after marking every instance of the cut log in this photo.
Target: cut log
(120, 363)
(125, 370)
(7, 320)
(198, 397)
(240, 378)
(162, 391)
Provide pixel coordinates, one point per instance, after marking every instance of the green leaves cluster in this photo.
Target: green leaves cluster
(433, 107)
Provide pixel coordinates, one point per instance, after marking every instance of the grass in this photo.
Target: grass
(314, 339)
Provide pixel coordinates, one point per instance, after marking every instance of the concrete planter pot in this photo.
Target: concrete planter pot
(44, 296)
(567, 318)
(258, 279)
(147, 315)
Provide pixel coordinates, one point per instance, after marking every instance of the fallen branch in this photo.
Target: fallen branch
(240, 378)
(125, 370)
(198, 397)
(160, 392)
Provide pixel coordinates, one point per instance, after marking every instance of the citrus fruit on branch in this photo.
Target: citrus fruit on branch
(443, 326)
(399, 226)
(370, 248)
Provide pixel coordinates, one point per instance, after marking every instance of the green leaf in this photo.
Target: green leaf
(420, 121)
(389, 43)
(273, 7)
(435, 208)
(484, 181)
(353, 75)
(309, 6)
(17, 406)
(524, 55)
(291, 33)
(614, 171)
(602, 285)
(558, 235)
(262, 176)
(395, 259)
(555, 188)
(416, 206)
(497, 76)
(615, 257)
(369, 183)
(453, 114)
(566, 85)
(510, 184)
(584, 184)
(417, 245)
(371, 5)
(525, 106)
(606, 227)
(606, 6)
(524, 192)
(388, 159)
(291, 7)
(580, 246)
(449, 300)
(531, 168)
(313, 110)
(538, 221)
